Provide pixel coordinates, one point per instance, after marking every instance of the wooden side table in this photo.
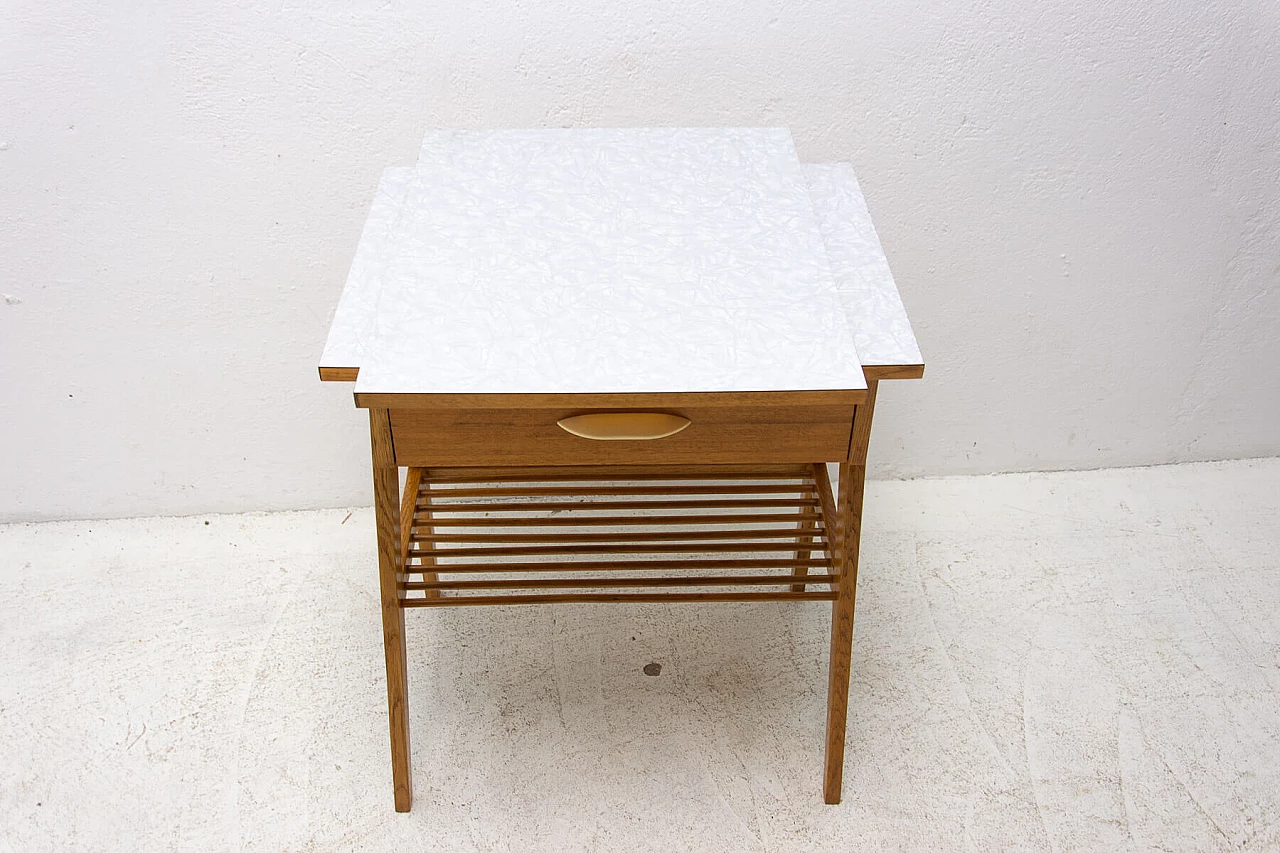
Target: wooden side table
(615, 364)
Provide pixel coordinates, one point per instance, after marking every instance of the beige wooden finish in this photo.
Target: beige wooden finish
(534, 436)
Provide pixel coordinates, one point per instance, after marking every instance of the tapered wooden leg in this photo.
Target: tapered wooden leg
(849, 513)
(386, 512)
(408, 506)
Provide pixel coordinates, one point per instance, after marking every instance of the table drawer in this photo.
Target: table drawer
(718, 434)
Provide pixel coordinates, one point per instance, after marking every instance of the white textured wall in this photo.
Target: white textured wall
(1080, 200)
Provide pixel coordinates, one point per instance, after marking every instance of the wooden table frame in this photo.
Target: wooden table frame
(601, 454)
(834, 525)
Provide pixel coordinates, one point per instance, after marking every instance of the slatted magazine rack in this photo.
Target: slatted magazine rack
(684, 533)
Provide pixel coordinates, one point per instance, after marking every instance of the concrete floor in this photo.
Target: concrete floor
(1041, 662)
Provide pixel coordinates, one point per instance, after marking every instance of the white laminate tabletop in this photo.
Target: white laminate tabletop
(596, 261)
(353, 319)
(881, 330)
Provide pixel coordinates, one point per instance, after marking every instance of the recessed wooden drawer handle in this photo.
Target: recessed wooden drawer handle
(624, 426)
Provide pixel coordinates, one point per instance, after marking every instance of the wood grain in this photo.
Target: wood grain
(578, 566)
(408, 506)
(386, 508)
(437, 507)
(636, 537)
(610, 582)
(442, 437)
(629, 474)
(849, 504)
(702, 538)
(620, 520)
(558, 486)
(501, 549)
(860, 435)
(339, 374)
(615, 598)
(408, 531)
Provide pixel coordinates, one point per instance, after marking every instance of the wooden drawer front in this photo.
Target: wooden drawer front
(724, 434)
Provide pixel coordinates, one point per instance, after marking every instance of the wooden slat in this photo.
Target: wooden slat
(597, 506)
(860, 436)
(619, 598)
(876, 372)
(592, 489)
(619, 538)
(627, 565)
(499, 550)
(609, 474)
(408, 508)
(584, 583)
(624, 520)
(386, 513)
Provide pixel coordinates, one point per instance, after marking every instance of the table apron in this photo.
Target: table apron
(715, 435)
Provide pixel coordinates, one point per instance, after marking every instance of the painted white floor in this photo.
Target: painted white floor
(1041, 662)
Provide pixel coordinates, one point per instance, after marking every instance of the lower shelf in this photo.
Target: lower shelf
(481, 536)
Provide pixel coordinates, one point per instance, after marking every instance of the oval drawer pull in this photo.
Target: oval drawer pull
(624, 426)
